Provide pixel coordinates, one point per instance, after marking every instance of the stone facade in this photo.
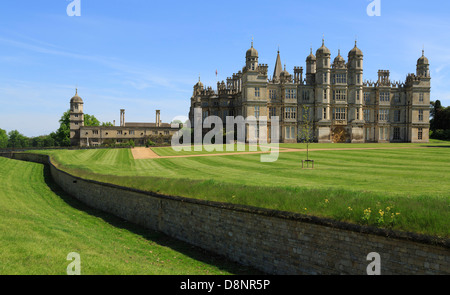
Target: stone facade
(333, 96)
(81, 135)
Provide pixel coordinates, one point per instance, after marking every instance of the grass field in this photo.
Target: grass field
(205, 149)
(40, 226)
(235, 148)
(406, 189)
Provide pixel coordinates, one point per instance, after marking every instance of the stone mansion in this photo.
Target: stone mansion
(85, 136)
(332, 95)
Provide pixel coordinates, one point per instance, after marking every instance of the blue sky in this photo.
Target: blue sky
(143, 55)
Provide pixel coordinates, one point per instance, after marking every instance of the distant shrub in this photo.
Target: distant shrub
(442, 134)
(149, 143)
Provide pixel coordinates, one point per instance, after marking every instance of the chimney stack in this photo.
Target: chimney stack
(158, 118)
(122, 118)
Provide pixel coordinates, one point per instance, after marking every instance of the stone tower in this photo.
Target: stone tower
(355, 94)
(76, 118)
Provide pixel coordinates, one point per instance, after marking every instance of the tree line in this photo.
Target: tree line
(58, 138)
(440, 121)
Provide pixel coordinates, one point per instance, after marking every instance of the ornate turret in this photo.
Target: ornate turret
(251, 59)
(355, 66)
(423, 66)
(76, 118)
(323, 65)
(339, 61)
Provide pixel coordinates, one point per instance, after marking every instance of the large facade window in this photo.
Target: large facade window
(305, 95)
(324, 113)
(325, 94)
(205, 114)
(272, 112)
(257, 92)
(383, 115)
(257, 113)
(339, 78)
(384, 133)
(290, 113)
(367, 115)
(421, 115)
(420, 134)
(291, 93)
(340, 95)
(272, 94)
(366, 97)
(421, 95)
(289, 132)
(397, 115)
(384, 96)
(396, 133)
(340, 114)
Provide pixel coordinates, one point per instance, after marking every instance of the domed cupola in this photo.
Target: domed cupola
(323, 50)
(423, 60)
(323, 55)
(423, 66)
(76, 98)
(311, 57)
(251, 59)
(252, 52)
(355, 52)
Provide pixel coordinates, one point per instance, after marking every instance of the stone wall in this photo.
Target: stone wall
(272, 241)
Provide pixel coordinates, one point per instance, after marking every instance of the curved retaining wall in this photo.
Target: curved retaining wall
(272, 241)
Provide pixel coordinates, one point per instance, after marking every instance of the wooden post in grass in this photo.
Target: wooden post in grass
(306, 133)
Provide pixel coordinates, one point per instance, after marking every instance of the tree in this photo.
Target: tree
(440, 122)
(62, 136)
(435, 114)
(306, 132)
(3, 139)
(17, 140)
(90, 120)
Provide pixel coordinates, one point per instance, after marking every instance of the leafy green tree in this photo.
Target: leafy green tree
(17, 140)
(49, 141)
(306, 131)
(440, 121)
(62, 136)
(3, 139)
(90, 120)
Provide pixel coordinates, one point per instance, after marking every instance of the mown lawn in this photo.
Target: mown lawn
(205, 149)
(40, 226)
(404, 189)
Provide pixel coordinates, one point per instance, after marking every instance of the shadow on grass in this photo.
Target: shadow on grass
(194, 252)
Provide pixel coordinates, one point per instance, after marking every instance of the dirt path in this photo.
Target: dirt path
(146, 153)
(140, 153)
